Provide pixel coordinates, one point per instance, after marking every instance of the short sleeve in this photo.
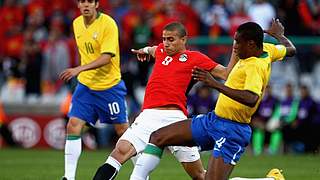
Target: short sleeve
(254, 79)
(277, 52)
(159, 48)
(205, 62)
(159, 51)
(110, 40)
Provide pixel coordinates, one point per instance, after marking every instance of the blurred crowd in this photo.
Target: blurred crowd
(280, 125)
(37, 44)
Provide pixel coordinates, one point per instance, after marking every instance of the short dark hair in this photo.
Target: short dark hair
(251, 31)
(176, 26)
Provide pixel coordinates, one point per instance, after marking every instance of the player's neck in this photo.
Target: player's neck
(182, 50)
(88, 20)
(259, 53)
(256, 53)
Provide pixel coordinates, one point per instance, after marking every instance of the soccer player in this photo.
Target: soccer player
(261, 136)
(225, 131)
(100, 93)
(164, 101)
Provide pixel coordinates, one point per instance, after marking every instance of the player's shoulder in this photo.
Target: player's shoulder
(78, 20)
(160, 45)
(106, 18)
(194, 53)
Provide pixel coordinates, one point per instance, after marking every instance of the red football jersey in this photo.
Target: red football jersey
(171, 78)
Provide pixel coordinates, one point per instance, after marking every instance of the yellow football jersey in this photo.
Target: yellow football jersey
(100, 37)
(250, 74)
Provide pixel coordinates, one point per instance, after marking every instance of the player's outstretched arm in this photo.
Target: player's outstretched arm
(245, 97)
(277, 31)
(143, 54)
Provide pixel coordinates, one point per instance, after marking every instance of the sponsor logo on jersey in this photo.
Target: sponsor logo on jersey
(183, 58)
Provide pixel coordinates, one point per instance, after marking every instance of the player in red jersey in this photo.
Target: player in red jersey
(164, 101)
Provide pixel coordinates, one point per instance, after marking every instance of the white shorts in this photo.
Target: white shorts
(150, 120)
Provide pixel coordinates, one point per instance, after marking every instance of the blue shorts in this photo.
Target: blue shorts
(227, 138)
(109, 106)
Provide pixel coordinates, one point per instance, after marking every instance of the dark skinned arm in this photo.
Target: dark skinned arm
(277, 31)
(245, 97)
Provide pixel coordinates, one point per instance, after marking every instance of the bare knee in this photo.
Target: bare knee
(198, 175)
(123, 151)
(74, 126)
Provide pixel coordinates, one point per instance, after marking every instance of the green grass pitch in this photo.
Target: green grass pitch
(48, 165)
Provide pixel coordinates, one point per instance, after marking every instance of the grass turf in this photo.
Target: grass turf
(48, 165)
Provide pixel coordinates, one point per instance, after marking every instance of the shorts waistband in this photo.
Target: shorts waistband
(228, 120)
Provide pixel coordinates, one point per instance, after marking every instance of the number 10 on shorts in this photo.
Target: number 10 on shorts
(114, 108)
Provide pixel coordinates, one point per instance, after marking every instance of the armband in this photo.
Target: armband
(146, 49)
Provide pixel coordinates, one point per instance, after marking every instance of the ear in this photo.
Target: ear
(97, 5)
(252, 44)
(184, 39)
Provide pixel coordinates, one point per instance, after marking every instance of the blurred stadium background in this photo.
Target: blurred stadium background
(37, 44)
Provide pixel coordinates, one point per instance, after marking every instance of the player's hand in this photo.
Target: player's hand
(276, 30)
(199, 74)
(69, 73)
(141, 55)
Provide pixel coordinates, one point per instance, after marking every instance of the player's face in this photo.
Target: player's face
(240, 46)
(87, 7)
(172, 42)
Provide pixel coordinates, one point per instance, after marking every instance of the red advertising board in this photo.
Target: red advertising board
(38, 130)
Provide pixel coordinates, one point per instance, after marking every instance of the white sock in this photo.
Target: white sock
(239, 178)
(72, 153)
(145, 164)
(134, 160)
(114, 163)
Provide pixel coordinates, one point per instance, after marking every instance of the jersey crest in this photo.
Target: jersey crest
(183, 58)
(95, 35)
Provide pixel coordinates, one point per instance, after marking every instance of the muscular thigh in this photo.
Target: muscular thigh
(146, 123)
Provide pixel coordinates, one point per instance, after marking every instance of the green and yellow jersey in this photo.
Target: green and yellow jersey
(100, 37)
(250, 74)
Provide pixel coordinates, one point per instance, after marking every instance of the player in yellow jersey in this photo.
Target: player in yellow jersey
(100, 93)
(225, 131)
